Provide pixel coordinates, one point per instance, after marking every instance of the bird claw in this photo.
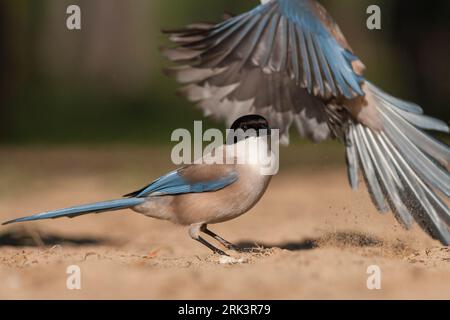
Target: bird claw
(221, 253)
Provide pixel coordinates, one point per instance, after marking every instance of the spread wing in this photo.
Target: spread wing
(288, 61)
(282, 60)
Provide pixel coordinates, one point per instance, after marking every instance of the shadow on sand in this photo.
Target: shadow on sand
(22, 237)
(334, 239)
(28, 237)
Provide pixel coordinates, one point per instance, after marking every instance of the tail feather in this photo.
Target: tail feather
(389, 178)
(352, 160)
(370, 173)
(406, 170)
(82, 210)
(396, 124)
(419, 148)
(423, 122)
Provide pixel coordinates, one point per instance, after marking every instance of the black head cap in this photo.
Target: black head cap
(254, 121)
(250, 125)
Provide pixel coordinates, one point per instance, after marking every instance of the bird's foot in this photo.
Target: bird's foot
(220, 252)
(226, 244)
(232, 247)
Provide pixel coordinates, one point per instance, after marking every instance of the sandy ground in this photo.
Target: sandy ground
(311, 237)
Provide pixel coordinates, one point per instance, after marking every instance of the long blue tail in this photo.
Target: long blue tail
(82, 210)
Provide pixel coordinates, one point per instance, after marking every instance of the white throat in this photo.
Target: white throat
(253, 152)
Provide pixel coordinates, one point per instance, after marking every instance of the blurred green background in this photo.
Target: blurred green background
(104, 84)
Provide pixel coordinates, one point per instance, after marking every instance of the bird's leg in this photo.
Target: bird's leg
(194, 233)
(222, 241)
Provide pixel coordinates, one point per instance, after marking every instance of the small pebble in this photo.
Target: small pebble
(231, 260)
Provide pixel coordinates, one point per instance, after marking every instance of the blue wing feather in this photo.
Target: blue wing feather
(339, 58)
(174, 183)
